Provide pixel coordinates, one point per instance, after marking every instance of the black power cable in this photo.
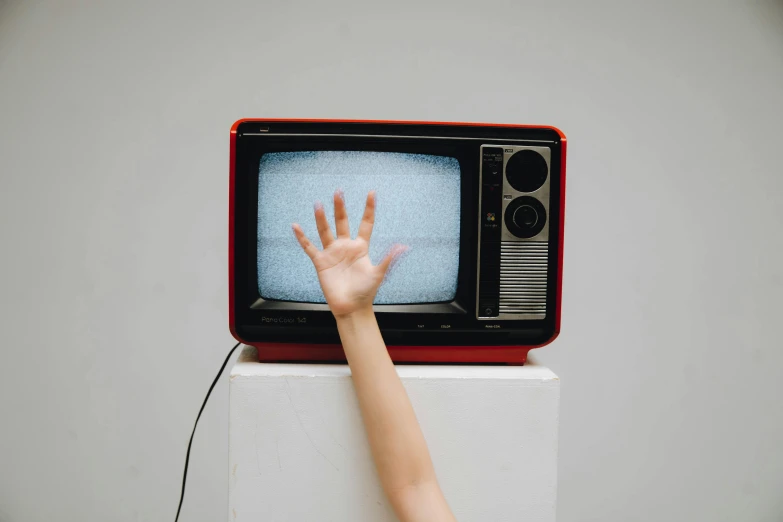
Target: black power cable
(187, 455)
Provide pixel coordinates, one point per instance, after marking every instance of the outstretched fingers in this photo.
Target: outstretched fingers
(305, 243)
(341, 216)
(368, 220)
(324, 232)
(392, 257)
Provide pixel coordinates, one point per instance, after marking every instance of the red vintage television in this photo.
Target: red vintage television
(481, 207)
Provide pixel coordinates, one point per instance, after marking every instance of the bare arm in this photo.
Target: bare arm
(350, 282)
(398, 446)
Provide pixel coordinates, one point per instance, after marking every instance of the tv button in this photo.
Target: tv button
(488, 309)
(493, 169)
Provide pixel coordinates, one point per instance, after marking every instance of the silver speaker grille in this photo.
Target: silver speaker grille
(523, 275)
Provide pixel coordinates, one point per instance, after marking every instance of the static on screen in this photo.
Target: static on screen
(418, 204)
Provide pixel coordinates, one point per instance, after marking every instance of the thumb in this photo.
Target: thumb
(392, 257)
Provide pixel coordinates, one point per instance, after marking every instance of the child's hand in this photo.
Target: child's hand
(348, 278)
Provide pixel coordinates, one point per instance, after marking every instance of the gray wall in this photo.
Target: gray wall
(114, 123)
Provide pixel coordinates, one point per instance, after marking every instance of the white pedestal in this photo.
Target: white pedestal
(297, 449)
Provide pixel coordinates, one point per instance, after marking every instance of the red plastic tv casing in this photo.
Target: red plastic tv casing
(292, 352)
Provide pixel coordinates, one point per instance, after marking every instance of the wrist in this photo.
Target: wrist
(355, 322)
(360, 334)
(356, 316)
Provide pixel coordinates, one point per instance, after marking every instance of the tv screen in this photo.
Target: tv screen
(418, 204)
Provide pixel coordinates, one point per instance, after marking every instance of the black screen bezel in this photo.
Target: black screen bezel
(257, 320)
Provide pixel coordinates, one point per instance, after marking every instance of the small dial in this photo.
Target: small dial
(526, 171)
(525, 217)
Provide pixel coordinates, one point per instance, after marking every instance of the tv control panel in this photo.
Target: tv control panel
(513, 232)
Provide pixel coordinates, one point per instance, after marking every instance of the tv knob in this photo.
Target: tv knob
(526, 171)
(525, 217)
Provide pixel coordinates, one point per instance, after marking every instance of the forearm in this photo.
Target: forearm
(397, 443)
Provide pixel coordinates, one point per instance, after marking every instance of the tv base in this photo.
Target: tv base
(323, 353)
(298, 451)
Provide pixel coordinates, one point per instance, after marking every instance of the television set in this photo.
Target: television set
(480, 207)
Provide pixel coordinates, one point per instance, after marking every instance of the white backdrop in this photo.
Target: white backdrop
(114, 120)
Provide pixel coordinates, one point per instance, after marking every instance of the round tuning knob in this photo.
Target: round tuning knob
(525, 217)
(526, 171)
